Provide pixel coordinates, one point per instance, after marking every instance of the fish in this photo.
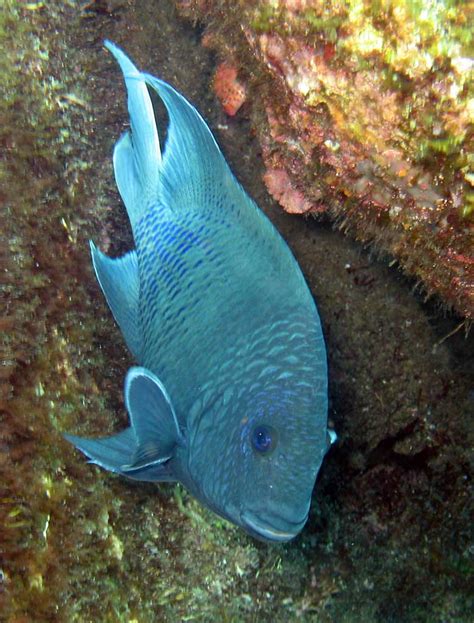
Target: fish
(229, 392)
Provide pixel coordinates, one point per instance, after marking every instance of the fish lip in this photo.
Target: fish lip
(261, 530)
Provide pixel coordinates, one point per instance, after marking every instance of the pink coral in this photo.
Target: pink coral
(280, 187)
(230, 91)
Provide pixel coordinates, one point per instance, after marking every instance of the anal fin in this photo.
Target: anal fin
(119, 281)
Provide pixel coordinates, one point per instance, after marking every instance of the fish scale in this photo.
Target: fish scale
(229, 396)
(172, 291)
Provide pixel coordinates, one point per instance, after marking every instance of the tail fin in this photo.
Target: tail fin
(137, 156)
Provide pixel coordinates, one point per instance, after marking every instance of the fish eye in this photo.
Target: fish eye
(263, 438)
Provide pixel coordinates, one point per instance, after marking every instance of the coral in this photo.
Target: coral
(228, 89)
(279, 185)
(368, 107)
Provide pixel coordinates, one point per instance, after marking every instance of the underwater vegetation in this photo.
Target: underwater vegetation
(364, 110)
(389, 537)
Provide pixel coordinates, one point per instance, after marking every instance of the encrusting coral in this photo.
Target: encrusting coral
(364, 110)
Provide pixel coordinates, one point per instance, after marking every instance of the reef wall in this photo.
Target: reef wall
(389, 536)
(363, 110)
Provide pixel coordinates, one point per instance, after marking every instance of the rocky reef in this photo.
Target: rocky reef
(389, 538)
(363, 110)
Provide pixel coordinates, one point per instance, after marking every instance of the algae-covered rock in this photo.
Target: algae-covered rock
(364, 110)
(389, 536)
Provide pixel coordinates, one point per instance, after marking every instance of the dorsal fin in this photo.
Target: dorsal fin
(192, 161)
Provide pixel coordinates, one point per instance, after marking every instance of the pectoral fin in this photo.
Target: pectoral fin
(152, 417)
(143, 450)
(331, 437)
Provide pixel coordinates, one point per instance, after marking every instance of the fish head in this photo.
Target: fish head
(255, 459)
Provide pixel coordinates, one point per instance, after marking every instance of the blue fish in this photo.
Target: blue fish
(230, 394)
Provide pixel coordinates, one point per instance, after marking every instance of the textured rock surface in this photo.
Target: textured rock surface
(364, 110)
(390, 534)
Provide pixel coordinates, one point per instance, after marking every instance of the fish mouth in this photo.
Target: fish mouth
(264, 531)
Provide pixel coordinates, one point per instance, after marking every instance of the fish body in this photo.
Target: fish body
(230, 393)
